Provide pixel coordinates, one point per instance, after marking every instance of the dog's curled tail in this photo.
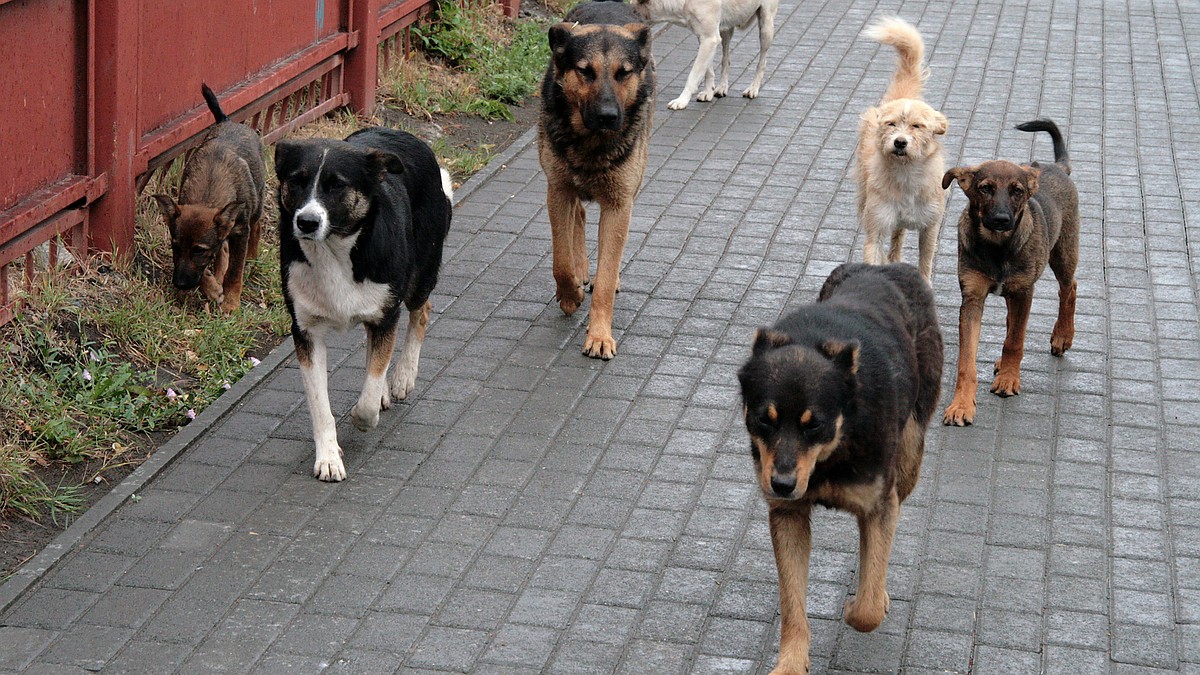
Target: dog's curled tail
(215, 106)
(910, 55)
(1060, 146)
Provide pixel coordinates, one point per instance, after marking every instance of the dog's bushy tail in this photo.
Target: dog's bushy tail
(215, 106)
(910, 55)
(1060, 146)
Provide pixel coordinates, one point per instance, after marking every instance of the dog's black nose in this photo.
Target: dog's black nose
(1000, 222)
(783, 485)
(609, 118)
(901, 143)
(307, 224)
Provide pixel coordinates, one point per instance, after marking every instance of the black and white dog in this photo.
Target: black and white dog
(361, 227)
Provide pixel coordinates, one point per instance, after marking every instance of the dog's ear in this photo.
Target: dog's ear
(382, 163)
(225, 219)
(1032, 174)
(641, 33)
(869, 118)
(939, 124)
(962, 174)
(168, 207)
(284, 151)
(844, 354)
(559, 35)
(766, 338)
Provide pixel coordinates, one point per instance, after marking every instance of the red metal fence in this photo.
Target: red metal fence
(96, 94)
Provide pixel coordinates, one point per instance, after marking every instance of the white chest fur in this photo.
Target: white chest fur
(323, 289)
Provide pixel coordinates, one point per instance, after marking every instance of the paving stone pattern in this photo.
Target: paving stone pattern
(531, 510)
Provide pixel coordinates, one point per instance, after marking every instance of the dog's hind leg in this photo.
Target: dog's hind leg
(766, 35)
(381, 340)
(722, 88)
(1063, 260)
(1008, 375)
(404, 380)
(928, 240)
(579, 245)
(310, 353)
(791, 537)
(873, 246)
(709, 38)
(875, 533)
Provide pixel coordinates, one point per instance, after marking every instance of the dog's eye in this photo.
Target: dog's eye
(1017, 190)
(890, 124)
(623, 72)
(813, 424)
(764, 419)
(987, 188)
(916, 126)
(198, 252)
(587, 72)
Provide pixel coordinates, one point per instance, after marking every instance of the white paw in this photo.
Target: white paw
(679, 103)
(365, 417)
(721, 91)
(705, 96)
(330, 470)
(403, 382)
(752, 92)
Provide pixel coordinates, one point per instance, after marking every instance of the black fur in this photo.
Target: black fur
(213, 104)
(1060, 147)
(401, 234)
(868, 350)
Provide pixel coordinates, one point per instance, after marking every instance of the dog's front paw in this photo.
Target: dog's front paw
(569, 299)
(1006, 384)
(786, 669)
(960, 413)
(600, 347)
(330, 469)
(705, 96)
(403, 382)
(865, 614)
(365, 417)
(1060, 341)
(679, 103)
(751, 92)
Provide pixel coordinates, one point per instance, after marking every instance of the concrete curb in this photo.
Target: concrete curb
(31, 572)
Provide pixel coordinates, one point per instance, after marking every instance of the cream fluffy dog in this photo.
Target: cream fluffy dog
(900, 164)
(713, 22)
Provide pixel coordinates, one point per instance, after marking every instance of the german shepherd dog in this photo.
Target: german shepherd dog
(1019, 218)
(837, 399)
(361, 228)
(216, 225)
(593, 135)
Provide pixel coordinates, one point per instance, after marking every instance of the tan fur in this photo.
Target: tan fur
(897, 193)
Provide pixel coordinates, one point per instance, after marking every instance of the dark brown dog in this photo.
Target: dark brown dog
(593, 135)
(838, 396)
(216, 225)
(1020, 217)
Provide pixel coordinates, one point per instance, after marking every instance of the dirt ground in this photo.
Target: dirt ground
(22, 538)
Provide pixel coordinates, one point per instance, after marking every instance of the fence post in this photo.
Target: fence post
(115, 54)
(511, 7)
(362, 62)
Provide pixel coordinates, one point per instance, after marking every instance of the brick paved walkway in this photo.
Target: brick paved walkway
(532, 510)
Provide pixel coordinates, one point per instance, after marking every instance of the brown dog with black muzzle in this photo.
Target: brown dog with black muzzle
(1020, 217)
(215, 226)
(593, 140)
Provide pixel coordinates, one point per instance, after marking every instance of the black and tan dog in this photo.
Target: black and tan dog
(593, 135)
(215, 226)
(1020, 217)
(837, 397)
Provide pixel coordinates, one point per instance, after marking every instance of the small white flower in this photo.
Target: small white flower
(87, 377)
(254, 361)
(226, 385)
(171, 394)
(191, 413)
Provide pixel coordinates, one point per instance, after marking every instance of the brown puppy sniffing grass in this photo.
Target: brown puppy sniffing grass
(215, 226)
(1020, 218)
(899, 168)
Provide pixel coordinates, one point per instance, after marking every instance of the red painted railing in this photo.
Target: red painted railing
(97, 94)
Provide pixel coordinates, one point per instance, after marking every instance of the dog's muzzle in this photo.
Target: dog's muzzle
(1001, 223)
(900, 147)
(784, 486)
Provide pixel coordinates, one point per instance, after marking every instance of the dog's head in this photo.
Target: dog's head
(905, 129)
(998, 191)
(326, 186)
(599, 68)
(795, 399)
(197, 233)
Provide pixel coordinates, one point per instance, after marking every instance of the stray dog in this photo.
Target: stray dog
(361, 228)
(900, 165)
(837, 397)
(1019, 218)
(593, 136)
(713, 22)
(216, 225)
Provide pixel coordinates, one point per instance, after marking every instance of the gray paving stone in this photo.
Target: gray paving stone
(21, 645)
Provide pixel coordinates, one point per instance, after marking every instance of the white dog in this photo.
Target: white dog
(900, 164)
(713, 22)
